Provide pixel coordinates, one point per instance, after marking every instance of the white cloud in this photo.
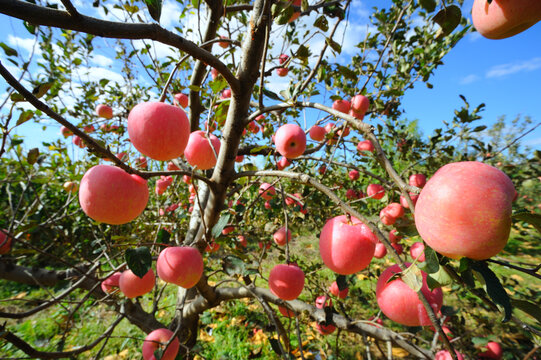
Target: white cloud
(516, 67)
(171, 12)
(26, 44)
(96, 74)
(533, 142)
(474, 36)
(468, 79)
(101, 60)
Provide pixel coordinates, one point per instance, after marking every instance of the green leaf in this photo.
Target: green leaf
(334, 45)
(525, 215)
(302, 52)
(16, 97)
(431, 264)
(464, 265)
(42, 89)
(30, 27)
(32, 156)
(479, 341)
(163, 237)
(479, 128)
(220, 225)
(154, 8)
(271, 94)
(275, 346)
(322, 23)
(438, 279)
(412, 277)
(529, 308)
(284, 16)
(428, 5)
(25, 116)
(257, 149)
(139, 260)
(158, 353)
(494, 288)
(8, 50)
(233, 265)
(448, 18)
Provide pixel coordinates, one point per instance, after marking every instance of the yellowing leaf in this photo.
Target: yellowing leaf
(400, 353)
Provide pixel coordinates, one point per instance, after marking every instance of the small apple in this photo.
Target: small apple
(317, 133)
(199, 152)
(283, 59)
(226, 94)
(89, 129)
(290, 141)
(341, 105)
(280, 236)
(77, 141)
(242, 241)
(182, 99)
(228, 230)
(180, 265)
(325, 329)
(239, 158)
(386, 218)
(417, 251)
(375, 191)
(224, 44)
(286, 312)
(360, 104)
(110, 284)
(133, 286)
(393, 237)
(267, 191)
(365, 145)
(380, 251)
(399, 249)
(351, 194)
(286, 281)
(157, 340)
(283, 163)
(418, 180)
(172, 167)
(104, 111)
(65, 132)
(445, 355)
(295, 14)
(70, 186)
(494, 351)
(342, 294)
(413, 198)
(353, 175)
(282, 71)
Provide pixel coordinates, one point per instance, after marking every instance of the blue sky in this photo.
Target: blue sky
(504, 74)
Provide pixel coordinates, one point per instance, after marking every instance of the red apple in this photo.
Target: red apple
(224, 44)
(180, 265)
(141, 162)
(104, 111)
(494, 351)
(286, 281)
(395, 210)
(286, 312)
(296, 14)
(111, 283)
(380, 251)
(182, 99)
(393, 237)
(346, 246)
(465, 210)
(239, 158)
(133, 286)
(322, 169)
(282, 71)
(445, 355)
(70, 187)
(333, 289)
(5, 242)
(375, 191)
(283, 163)
(157, 340)
(111, 195)
(199, 152)
(267, 191)
(89, 129)
(386, 217)
(504, 18)
(418, 180)
(172, 167)
(417, 251)
(365, 145)
(399, 249)
(159, 131)
(77, 141)
(242, 241)
(228, 230)
(268, 206)
(283, 59)
(400, 303)
(226, 94)
(360, 104)
(280, 236)
(353, 174)
(65, 132)
(414, 197)
(325, 329)
(317, 133)
(351, 194)
(290, 141)
(341, 105)
(323, 301)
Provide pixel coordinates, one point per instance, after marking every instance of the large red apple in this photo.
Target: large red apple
(111, 195)
(504, 18)
(400, 303)
(286, 281)
(159, 131)
(346, 245)
(290, 141)
(199, 152)
(375, 191)
(132, 286)
(180, 265)
(157, 340)
(465, 210)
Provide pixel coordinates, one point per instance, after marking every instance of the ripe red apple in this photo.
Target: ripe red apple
(333, 289)
(399, 249)
(65, 132)
(280, 236)
(104, 111)
(242, 241)
(226, 94)
(400, 303)
(141, 162)
(375, 191)
(180, 265)
(418, 180)
(290, 141)
(286, 281)
(393, 237)
(380, 251)
(360, 104)
(267, 191)
(325, 329)
(386, 217)
(111, 195)
(172, 167)
(133, 286)
(494, 351)
(212, 247)
(365, 145)
(199, 152)
(346, 246)
(286, 312)
(504, 18)
(268, 206)
(465, 210)
(283, 163)
(111, 283)
(445, 355)
(323, 301)
(341, 105)
(182, 99)
(414, 197)
(353, 175)
(89, 129)
(159, 131)
(239, 158)
(77, 141)
(351, 194)
(317, 133)
(157, 340)
(417, 251)
(296, 14)
(70, 187)
(228, 230)
(282, 71)
(5, 242)
(224, 44)
(322, 169)
(395, 210)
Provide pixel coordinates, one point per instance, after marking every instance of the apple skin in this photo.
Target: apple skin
(465, 210)
(286, 281)
(494, 351)
(198, 151)
(77, 141)
(180, 265)
(346, 248)
(159, 131)
(296, 14)
(380, 251)
(393, 238)
(286, 312)
(283, 163)
(223, 44)
(111, 283)
(333, 289)
(157, 339)
(267, 191)
(280, 236)
(353, 175)
(360, 104)
(5, 243)
(317, 133)
(65, 131)
(111, 195)
(418, 180)
(400, 303)
(133, 286)
(104, 111)
(504, 18)
(399, 249)
(417, 251)
(290, 141)
(70, 187)
(365, 145)
(182, 99)
(445, 355)
(325, 329)
(404, 202)
(141, 162)
(341, 105)
(282, 71)
(375, 191)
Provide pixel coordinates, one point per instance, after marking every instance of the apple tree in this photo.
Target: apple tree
(256, 154)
